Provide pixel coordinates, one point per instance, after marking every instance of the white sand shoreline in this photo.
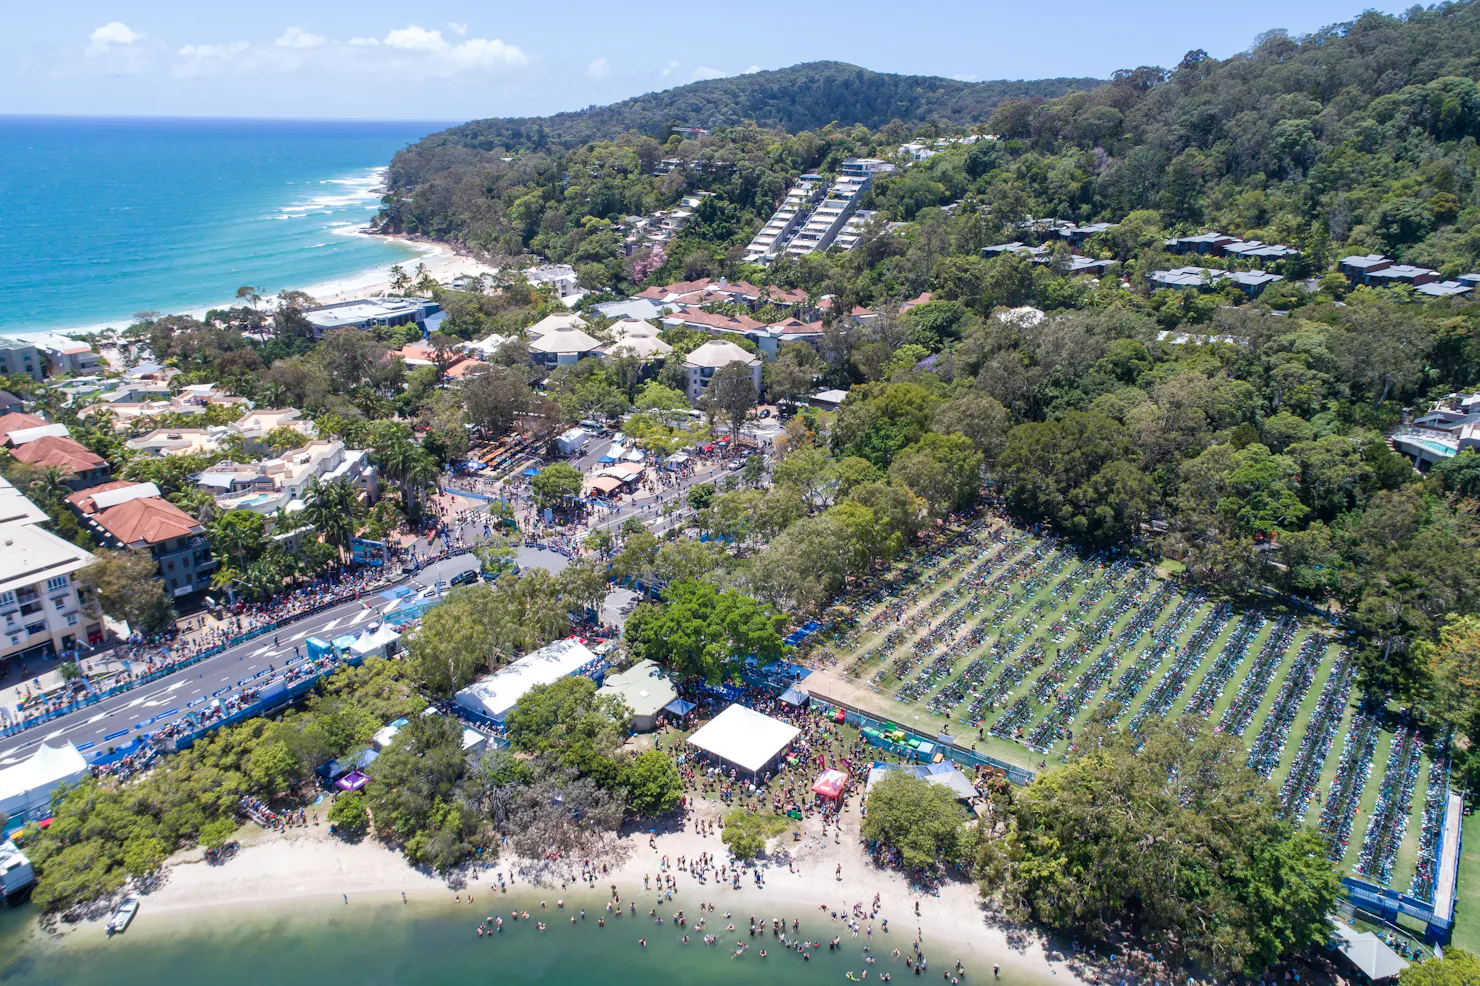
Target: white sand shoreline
(306, 871)
(441, 260)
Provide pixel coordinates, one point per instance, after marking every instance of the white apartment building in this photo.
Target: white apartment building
(852, 230)
(42, 613)
(264, 487)
(827, 221)
(777, 233)
(702, 364)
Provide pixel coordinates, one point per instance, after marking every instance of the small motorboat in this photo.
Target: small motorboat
(122, 915)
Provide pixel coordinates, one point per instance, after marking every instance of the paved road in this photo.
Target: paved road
(167, 698)
(175, 692)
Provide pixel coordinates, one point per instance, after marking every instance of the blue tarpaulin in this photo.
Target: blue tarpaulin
(531, 471)
(399, 592)
(801, 634)
(679, 707)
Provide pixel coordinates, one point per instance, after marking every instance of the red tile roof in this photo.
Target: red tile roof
(83, 501)
(795, 326)
(16, 421)
(792, 296)
(67, 454)
(731, 323)
(464, 367)
(923, 299)
(150, 520)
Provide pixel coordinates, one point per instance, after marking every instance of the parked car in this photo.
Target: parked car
(469, 577)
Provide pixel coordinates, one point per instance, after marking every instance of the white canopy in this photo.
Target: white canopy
(375, 644)
(497, 693)
(1368, 953)
(744, 737)
(29, 784)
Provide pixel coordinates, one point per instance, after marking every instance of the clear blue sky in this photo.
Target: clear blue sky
(454, 59)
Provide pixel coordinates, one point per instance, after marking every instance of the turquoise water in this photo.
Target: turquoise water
(425, 944)
(101, 218)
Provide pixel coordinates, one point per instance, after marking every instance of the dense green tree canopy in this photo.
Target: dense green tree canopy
(702, 632)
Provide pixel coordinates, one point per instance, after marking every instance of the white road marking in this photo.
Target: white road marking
(298, 636)
(360, 617)
(332, 624)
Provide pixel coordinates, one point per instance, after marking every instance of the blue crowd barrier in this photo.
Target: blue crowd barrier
(15, 729)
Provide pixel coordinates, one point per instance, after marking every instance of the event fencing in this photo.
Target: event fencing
(1388, 904)
(93, 698)
(970, 758)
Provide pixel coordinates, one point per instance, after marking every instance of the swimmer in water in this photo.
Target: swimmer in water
(642, 942)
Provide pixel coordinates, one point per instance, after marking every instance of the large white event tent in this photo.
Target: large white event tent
(29, 784)
(744, 737)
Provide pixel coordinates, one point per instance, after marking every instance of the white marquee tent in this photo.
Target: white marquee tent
(744, 737)
(28, 785)
(496, 694)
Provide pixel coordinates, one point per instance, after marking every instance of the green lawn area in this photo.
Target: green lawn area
(1467, 899)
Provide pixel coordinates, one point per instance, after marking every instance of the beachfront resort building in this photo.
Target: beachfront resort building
(176, 441)
(281, 483)
(45, 355)
(370, 313)
(48, 446)
(133, 515)
(42, 613)
(702, 364)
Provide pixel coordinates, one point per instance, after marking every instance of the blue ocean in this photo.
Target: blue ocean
(101, 218)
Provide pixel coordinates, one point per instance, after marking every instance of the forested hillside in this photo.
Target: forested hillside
(1361, 135)
(801, 97)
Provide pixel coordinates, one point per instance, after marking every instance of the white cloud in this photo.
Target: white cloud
(196, 60)
(117, 49)
(297, 37)
(114, 33)
(599, 69)
(486, 53)
(966, 78)
(705, 72)
(672, 68)
(364, 42)
(414, 38)
(753, 68)
(458, 29)
(214, 51)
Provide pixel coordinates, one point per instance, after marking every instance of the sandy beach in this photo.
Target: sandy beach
(441, 261)
(307, 871)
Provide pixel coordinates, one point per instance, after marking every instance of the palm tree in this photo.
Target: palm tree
(274, 394)
(330, 508)
(421, 472)
(50, 484)
(399, 280)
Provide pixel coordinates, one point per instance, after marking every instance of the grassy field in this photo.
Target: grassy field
(1009, 643)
